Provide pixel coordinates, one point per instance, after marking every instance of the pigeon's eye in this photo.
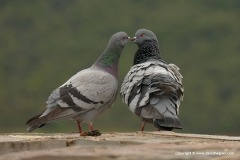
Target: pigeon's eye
(141, 35)
(124, 38)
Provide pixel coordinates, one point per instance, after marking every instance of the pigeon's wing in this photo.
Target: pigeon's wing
(153, 90)
(88, 89)
(132, 83)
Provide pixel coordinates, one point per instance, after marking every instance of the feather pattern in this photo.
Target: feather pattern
(88, 93)
(152, 88)
(155, 88)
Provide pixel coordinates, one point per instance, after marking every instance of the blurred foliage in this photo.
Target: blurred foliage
(43, 43)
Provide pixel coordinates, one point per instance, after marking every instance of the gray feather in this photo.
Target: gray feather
(88, 93)
(155, 93)
(152, 88)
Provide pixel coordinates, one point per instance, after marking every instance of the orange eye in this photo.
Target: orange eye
(141, 35)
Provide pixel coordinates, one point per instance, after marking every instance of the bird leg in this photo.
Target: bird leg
(79, 126)
(90, 125)
(142, 126)
(91, 132)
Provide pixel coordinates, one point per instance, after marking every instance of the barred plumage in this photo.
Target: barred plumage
(152, 88)
(88, 93)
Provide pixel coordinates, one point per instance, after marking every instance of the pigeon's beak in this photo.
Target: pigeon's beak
(133, 39)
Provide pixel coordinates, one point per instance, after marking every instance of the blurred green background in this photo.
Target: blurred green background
(43, 43)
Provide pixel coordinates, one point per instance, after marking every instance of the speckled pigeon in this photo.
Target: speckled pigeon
(88, 93)
(152, 88)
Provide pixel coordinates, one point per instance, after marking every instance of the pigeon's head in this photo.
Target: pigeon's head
(119, 39)
(143, 34)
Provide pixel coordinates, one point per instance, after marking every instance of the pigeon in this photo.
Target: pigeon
(153, 89)
(88, 93)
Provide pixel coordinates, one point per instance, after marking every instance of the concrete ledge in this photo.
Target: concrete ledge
(108, 146)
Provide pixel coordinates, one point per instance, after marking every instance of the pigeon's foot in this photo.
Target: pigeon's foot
(93, 133)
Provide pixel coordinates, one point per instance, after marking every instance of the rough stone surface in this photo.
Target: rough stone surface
(120, 146)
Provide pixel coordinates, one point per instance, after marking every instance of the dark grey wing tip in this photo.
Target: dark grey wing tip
(31, 128)
(32, 123)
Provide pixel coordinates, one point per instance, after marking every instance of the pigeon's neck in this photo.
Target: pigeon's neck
(148, 50)
(108, 60)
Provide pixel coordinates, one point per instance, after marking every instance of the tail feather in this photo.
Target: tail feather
(57, 114)
(32, 123)
(167, 108)
(167, 123)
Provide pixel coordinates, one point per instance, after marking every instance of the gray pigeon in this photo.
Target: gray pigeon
(88, 93)
(152, 88)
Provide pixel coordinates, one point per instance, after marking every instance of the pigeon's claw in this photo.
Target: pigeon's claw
(92, 133)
